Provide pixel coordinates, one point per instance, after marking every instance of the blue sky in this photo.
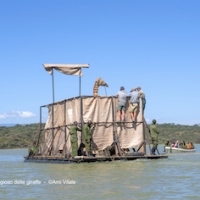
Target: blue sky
(153, 44)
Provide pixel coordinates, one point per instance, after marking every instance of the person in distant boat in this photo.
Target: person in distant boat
(133, 107)
(189, 145)
(192, 145)
(176, 145)
(180, 145)
(87, 136)
(142, 96)
(74, 138)
(121, 107)
(154, 136)
(183, 145)
(173, 144)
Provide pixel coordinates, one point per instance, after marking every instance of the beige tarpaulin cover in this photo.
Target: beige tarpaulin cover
(102, 111)
(70, 69)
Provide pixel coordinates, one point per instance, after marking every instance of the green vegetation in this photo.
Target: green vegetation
(18, 136)
(173, 132)
(22, 136)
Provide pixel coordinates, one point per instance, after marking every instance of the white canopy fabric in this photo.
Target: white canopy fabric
(69, 69)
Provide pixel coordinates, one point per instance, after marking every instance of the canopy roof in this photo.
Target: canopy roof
(70, 69)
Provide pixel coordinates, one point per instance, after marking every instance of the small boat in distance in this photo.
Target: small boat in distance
(177, 146)
(178, 150)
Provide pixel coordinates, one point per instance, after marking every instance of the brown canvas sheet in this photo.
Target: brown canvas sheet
(102, 111)
(69, 69)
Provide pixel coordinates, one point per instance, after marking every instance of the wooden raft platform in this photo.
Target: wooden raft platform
(81, 159)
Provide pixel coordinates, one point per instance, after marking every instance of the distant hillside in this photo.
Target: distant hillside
(175, 132)
(7, 125)
(22, 136)
(18, 136)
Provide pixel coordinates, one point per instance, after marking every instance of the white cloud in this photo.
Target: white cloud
(6, 115)
(23, 114)
(3, 116)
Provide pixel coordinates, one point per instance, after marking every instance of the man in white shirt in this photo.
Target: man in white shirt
(142, 95)
(121, 107)
(133, 107)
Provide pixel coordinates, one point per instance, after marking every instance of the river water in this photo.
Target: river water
(176, 177)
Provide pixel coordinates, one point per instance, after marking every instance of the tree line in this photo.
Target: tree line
(22, 136)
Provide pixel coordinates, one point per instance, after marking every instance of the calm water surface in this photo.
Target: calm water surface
(177, 177)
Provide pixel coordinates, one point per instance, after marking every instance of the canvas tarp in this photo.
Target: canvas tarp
(69, 69)
(100, 110)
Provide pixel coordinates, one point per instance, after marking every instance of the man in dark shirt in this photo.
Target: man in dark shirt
(154, 136)
(74, 138)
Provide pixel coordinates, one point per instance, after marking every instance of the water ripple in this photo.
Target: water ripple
(174, 178)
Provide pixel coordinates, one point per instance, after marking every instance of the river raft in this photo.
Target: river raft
(111, 140)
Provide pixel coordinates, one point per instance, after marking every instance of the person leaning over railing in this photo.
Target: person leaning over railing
(133, 106)
(142, 96)
(121, 106)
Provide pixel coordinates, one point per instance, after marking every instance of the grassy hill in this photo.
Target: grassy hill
(22, 136)
(174, 132)
(18, 136)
